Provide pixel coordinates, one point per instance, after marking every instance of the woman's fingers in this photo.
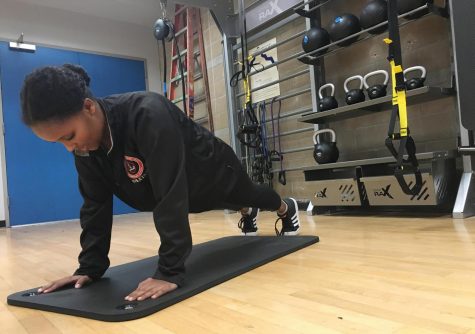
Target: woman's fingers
(58, 284)
(45, 287)
(78, 280)
(82, 280)
(151, 288)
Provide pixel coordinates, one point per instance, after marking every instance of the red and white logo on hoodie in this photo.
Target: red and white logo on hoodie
(134, 168)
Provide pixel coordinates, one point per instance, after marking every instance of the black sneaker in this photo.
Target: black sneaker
(248, 223)
(290, 219)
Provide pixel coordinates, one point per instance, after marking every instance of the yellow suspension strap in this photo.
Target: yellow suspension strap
(406, 142)
(249, 131)
(247, 86)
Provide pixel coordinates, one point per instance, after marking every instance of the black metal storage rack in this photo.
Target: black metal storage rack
(462, 26)
(369, 184)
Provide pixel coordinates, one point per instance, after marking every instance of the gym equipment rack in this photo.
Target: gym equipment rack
(463, 48)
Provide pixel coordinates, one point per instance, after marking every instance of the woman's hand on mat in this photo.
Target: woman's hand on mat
(151, 288)
(77, 280)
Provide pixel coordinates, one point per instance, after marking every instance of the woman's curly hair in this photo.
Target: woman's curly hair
(54, 93)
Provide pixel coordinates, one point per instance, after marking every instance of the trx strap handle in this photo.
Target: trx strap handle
(406, 143)
(252, 130)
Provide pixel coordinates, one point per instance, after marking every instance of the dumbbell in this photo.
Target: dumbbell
(354, 95)
(378, 90)
(328, 102)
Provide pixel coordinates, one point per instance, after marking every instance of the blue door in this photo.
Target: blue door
(41, 177)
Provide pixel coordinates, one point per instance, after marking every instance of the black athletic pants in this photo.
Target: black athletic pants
(247, 194)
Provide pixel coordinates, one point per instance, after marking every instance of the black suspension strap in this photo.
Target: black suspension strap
(406, 142)
(165, 90)
(249, 130)
(267, 163)
(276, 153)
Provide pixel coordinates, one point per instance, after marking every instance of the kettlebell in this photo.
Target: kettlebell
(378, 90)
(354, 95)
(415, 82)
(325, 152)
(327, 102)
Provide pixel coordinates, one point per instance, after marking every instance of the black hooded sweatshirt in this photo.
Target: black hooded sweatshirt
(160, 161)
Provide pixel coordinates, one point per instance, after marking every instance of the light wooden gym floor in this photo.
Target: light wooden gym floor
(367, 275)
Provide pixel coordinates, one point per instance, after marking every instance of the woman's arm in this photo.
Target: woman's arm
(96, 221)
(160, 142)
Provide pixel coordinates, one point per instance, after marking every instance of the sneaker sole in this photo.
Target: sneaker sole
(293, 233)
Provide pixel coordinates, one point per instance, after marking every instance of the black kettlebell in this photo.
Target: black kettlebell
(314, 39)
(328, 102)
(325, 152)
(354, 95)
(378, 90)
(343, 26)
(375, 12)
(417, 82)
(404, 6)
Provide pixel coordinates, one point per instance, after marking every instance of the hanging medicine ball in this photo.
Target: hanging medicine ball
(314, 39)
(163, 29)
(344, 26)
(404, 6)
(375, 12)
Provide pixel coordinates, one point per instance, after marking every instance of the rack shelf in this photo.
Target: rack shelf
(419, 95)
(299, 9)
(370, 183)
(379, 161)
(311, 58)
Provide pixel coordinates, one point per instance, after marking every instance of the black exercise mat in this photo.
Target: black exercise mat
(209, 264)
